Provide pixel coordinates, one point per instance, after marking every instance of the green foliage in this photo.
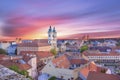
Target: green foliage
(84, 48)
(52, 78)
(2, 51)
(24, 72)
(16, 69)
(53, 51)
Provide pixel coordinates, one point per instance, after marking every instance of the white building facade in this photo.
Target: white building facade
(67, 74)
(52, 37)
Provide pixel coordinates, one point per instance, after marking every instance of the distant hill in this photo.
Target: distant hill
(109, 34)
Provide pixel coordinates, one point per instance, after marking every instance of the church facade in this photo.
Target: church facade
(52, 37)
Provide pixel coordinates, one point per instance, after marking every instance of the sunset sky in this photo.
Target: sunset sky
(30, 19)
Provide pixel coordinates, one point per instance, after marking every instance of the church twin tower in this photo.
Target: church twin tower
(52, 37)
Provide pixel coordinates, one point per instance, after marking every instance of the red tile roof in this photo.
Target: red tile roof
(101, 76)
(90, 67)
(33, 44)
(61, 62)
(67, 60)
(24, 66)
(78, 61)
(8, 63)
(26, 58)
(39, 54)
(2, 56)
(44, 54)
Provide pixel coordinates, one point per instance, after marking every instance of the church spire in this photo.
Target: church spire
(52, 37)
(54, 29)
(50, 29)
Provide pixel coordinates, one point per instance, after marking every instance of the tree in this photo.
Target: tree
(15, 68)
(53, 51)
(84, 48)
(52, 78)
(2, 51)
(24, 72)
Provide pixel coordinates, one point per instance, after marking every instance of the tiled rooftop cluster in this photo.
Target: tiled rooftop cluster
(7, 74)
(8, 61)
(102, 76)
(65, 61)
(34, 43)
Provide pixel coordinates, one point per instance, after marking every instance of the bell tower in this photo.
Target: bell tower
(52, 37)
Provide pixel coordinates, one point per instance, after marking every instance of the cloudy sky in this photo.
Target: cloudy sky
(32, 18)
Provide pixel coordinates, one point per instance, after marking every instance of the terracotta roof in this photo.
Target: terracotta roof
(84, 72)
(26, 58)
(2, 56)
(90, 67)
(33, 44)
(68, 59)
(61, 62)
(78, 61)
(44, 54)
(102, 76)
(39, 54)
(8, 63)
(24, 66)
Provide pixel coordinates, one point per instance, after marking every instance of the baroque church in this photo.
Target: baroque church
(52, 37)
